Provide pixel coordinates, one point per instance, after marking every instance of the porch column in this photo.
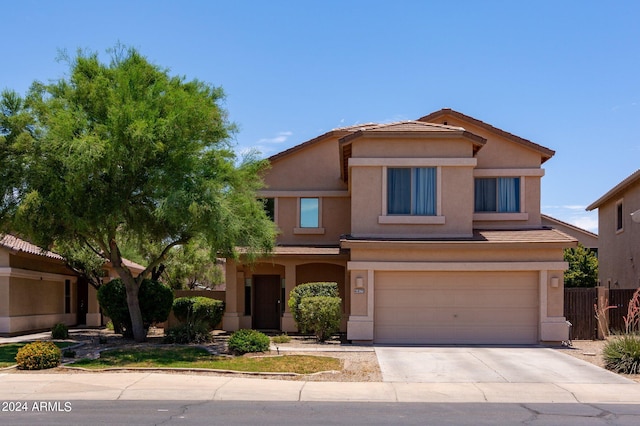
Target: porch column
(235, 288)
(288, 324)
(553, 325)
(360, 324)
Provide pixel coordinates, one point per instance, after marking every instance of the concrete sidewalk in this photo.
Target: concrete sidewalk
(170, 386)
(160, 385)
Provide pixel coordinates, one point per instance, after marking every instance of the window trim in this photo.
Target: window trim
(299, 230)
(503, 216)
(394, 219)
(619, 216)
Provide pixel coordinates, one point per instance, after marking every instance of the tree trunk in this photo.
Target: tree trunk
(137, 325)
(132, 285)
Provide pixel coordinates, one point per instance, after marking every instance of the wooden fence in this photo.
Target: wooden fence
(579, 309)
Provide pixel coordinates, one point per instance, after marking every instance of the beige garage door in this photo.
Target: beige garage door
(456, 307)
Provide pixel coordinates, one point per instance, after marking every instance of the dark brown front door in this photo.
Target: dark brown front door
(266, 305)
(83, 301)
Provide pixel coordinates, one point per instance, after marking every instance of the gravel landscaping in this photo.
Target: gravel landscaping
(360, 363)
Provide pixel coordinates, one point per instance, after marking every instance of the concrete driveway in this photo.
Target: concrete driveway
(488, 364)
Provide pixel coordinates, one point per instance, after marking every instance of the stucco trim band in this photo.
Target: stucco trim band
(457, 266)
(33, 275)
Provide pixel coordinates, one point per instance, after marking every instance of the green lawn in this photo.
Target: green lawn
(190, 357)
(8, 352)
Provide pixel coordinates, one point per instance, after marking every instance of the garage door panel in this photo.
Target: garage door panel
(425, 308)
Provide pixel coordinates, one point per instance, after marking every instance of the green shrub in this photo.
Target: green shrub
(60, 331)
(197, 332)
(199, 309)
(283, 338)
(155, 301)
(320, 315)
(246, 341)
(622, 354)
(309, 290)
(38, 356)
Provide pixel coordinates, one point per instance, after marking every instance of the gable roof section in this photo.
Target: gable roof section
(14, 243)
(403, 129)
(339, 132)
(434, 116)
(575, 228)
(635, 177)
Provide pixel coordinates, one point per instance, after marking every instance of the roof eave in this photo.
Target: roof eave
(613, 192)
(545, 152)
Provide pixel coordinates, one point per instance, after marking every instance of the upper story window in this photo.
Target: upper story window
(498, 195)
(619, 217)
(411, 191)
(269, 205)
(309, 212)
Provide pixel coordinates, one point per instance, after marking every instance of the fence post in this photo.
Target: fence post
(602, 297)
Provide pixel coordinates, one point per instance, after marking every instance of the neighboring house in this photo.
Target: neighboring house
(619, 234)
(586, 238)
(38, 290)
(431, 228)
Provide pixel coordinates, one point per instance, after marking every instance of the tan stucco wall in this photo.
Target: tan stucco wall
(619, 251)
(411, 148)
(367, 202)
(316, 167)
(38, 263)
(4, 257)
(30, 297)
(4, 296)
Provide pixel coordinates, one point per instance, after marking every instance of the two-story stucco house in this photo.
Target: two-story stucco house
(619, 234)
(431, 228)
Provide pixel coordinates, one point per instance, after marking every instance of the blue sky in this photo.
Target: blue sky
(564, 74)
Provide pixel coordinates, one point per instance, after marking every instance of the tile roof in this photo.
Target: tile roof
(14, 243)
(538, 235)
(630, 180)
(543, 235)
(546, 152)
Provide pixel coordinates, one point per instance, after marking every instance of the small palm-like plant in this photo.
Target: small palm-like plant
(622, 354)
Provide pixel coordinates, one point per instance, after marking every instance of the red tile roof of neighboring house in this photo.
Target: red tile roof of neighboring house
(437, 115)
(16, 244)
(632, 179)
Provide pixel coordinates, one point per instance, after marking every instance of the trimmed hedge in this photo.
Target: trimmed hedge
(320, 315)
(60, 331)
(301, 291)
(199, 309)
(246, 341)
(38, 356)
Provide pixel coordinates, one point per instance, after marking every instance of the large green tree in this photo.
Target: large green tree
(123, 152)
(583, 267)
